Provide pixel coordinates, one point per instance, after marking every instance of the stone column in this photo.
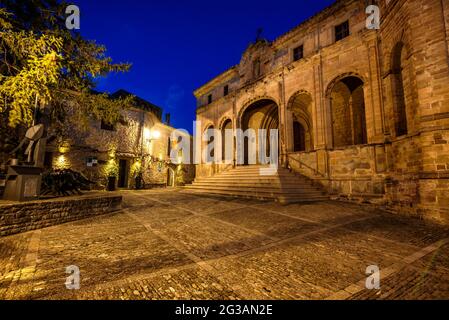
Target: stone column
(282, 122)
(373, 94)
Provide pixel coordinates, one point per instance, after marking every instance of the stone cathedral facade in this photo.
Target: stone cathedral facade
(363, 112)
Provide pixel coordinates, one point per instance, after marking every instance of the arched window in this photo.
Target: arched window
(227, 144)
(300, 106)
(209, 144)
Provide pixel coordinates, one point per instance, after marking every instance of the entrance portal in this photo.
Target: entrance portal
(299, 137)
(123, 173)
(262, 114)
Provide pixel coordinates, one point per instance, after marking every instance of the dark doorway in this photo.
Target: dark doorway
(123, 173)
(299, 137)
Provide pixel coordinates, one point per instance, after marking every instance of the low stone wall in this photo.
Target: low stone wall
(26, 216)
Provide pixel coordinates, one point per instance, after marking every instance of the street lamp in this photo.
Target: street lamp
(150, 135)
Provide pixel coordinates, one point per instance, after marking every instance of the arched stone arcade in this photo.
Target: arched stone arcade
(261, 114)
(347, 111)
(227, 140)
(299, 122)
(402, 84)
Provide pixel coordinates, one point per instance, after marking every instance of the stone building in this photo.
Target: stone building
(363, 112)
(139, 143)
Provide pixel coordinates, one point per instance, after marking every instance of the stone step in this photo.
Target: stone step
(254, 170)
(238, 184)
(256, 177)
(261, 196)
(273, 183)
(257, 174)
(257, 190)
(247, 182)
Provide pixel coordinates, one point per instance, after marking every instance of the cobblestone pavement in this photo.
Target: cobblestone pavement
(176, 245)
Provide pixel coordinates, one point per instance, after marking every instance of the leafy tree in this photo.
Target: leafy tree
(45, 66)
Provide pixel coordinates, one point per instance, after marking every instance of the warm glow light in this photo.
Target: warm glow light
(62, 162)
(64, 147)
(156, 134)
(147, 134)
(111, 153)
(136, 167)
(151, 134)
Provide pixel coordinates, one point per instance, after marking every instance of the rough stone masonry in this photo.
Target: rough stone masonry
(363, 112)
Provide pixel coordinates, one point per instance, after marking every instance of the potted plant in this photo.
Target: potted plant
(138, 180)
(137, 173)
(111, 171)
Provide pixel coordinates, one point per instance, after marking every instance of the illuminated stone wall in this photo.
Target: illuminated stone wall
(142, 141)
(403, 161)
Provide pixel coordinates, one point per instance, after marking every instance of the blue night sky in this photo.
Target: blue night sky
(177, 46)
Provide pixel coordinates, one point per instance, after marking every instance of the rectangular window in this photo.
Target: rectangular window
(92, 162)
(342, 31)
(298, 53)
(209, 99)
(225, 90)
(106, 126)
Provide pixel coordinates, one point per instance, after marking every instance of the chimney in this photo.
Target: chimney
(167, 119)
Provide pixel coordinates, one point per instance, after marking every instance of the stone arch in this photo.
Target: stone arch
(347, 110)
(403, 92)
(208, 125)
(226, 143)
(335, 80)
(403, 38)
(211, 140)
(251, 101)
(400, 81)
(258, 114)
(300, 104)
(223, 121)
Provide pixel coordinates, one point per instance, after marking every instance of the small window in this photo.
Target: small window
(342, 31)
(225, 90)
(106, 126)
(209, 99)
(298, 53)
(92, 162)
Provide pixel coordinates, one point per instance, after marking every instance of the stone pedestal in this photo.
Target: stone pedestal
(23, 183)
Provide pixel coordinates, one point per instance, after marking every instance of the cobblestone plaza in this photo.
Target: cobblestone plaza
(179, 245)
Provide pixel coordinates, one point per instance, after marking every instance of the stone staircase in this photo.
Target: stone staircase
(247, 182)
